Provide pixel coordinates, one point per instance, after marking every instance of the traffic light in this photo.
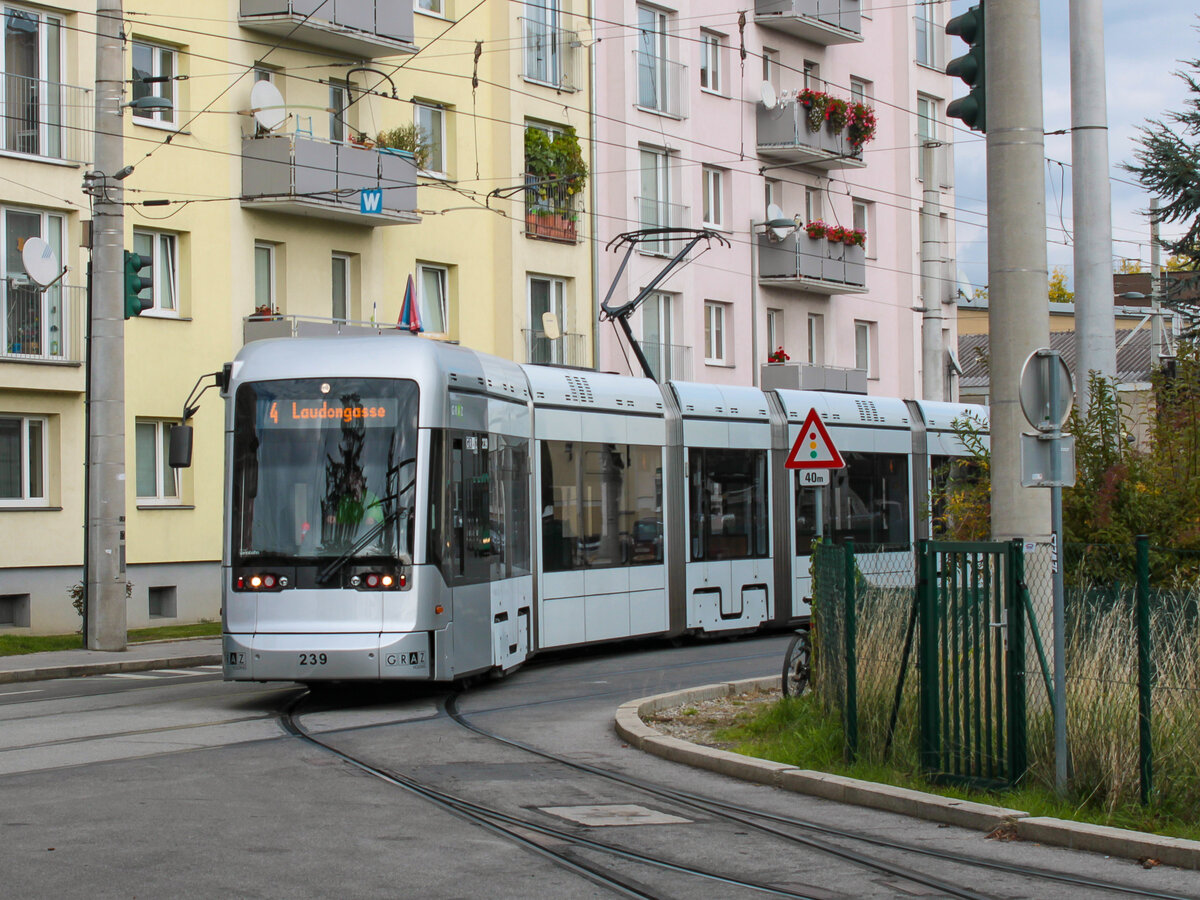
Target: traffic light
(135, 283)
(972, 109)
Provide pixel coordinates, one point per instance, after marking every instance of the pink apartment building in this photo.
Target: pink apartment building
(704, 119)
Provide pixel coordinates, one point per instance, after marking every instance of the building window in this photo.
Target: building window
(864, 358)
(812, 75)
(545, 43)
(772, 193)
(546, 295)
(150, 64)
(162, 249)
(32, 55)
(863, 214)
(813, 208)
(860, 90)
(658, 325)
(712, 52)
(432, 293)
(341, 286)
(774, 330)
(337, 118)
(22, 461)
(816, 339)
(657, 80)
(432, 122)
(770, 67)
(437, 7)
(156, 480)
(927, 128)
(927, 32)
(714, 197)
(264, 278)
(714, 333)
(654, 203)
(33, 325)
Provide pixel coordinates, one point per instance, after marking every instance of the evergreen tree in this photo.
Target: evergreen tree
(1168, 165)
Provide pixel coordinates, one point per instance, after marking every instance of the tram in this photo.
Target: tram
(399, 508)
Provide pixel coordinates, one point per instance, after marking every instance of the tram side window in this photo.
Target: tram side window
(870, 499)
(727, 499)
(479, 507)
(601, 505)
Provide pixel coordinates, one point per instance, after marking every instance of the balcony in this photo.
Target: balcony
(42, 326)
(815, 265)
(364, 29)
(653, 213)
(820, 21)
(669, 362)
(552, 214)
(306, 177)
(569, 349)
(783, 132)
(811, 377)
(661, 85)
(551, 56)
(46, 119)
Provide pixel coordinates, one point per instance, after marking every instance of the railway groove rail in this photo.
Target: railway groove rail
(792, 856)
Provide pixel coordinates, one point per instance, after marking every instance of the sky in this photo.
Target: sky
(1144, 43)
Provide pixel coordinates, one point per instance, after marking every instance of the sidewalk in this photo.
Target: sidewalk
(136, 658)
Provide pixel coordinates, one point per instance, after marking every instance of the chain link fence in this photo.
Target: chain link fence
(1132, 666)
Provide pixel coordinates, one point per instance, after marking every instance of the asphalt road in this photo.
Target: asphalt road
(174, 784)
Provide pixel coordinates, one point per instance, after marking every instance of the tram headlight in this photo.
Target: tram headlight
(264, 581)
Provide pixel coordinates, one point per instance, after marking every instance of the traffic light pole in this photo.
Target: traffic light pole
(104, 578)
(1018, 312)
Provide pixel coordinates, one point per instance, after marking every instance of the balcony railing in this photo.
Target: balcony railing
(47, 119)
(303, 176)
(931, 43)
(657, 214)
(551, 55)
(552, 213)
(816, 265)
(42, 326)
(661, 84)
(668, 361)
(569, 349)
(784, 132)
(361, 28)
(812, 377)
(821, 21)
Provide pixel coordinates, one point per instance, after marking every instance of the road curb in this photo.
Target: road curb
(1117, 842)
(107, 668)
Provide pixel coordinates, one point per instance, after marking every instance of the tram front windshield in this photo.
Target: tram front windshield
(323, 468)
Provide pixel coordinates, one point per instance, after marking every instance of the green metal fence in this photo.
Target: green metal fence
(1132, 666)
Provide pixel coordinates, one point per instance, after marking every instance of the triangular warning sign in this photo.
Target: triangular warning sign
(814, 448)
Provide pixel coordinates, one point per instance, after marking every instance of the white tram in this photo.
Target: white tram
(406, 509)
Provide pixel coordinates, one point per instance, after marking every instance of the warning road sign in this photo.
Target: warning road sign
(814, 448)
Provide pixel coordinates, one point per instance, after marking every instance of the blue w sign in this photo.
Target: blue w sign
(371, 200)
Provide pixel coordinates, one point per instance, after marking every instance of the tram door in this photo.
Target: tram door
(729, 568)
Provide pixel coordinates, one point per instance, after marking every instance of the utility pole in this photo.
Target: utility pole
(1157, 291)
(1018, 313)
(105, 527)
(933, 353)
(1091, 196)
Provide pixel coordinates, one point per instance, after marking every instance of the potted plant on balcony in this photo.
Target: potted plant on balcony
(407, 138)
(264, 312)
(556, 173)
(860, 126)
(778, 356)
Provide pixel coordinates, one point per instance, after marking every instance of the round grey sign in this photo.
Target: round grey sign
(1046, 390)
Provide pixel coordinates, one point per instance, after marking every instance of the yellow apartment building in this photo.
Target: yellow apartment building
(276, 200)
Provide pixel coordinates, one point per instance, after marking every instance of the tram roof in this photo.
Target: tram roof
(853, 410)
(720, 401)
(583, 389)
(939, 416)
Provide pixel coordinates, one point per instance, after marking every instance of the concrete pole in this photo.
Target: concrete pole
(105, 576)
(1018, 314)
(1091, 196)
(1156, 290)
(933, 353)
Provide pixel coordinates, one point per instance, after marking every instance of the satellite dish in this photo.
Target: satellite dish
(550, 326)
(266, 103)
(769, 98)
(777, 232)
(41, 265)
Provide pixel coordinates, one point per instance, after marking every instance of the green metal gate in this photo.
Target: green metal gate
(972, 652)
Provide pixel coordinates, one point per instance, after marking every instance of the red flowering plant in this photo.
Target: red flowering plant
(835, 234)
(837, 113)
(860, 124)
(814, 103)
(854, 237)
(817, 229)
(778, 356)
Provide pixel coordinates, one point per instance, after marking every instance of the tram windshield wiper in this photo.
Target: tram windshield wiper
(365, 541)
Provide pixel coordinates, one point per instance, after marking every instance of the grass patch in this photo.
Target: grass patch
(801, 732)
(20, 644)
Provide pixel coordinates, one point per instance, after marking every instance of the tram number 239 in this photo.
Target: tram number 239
(313, 659)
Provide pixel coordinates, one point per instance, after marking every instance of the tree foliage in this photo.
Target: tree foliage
(1056, 288)
(1168, 165)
